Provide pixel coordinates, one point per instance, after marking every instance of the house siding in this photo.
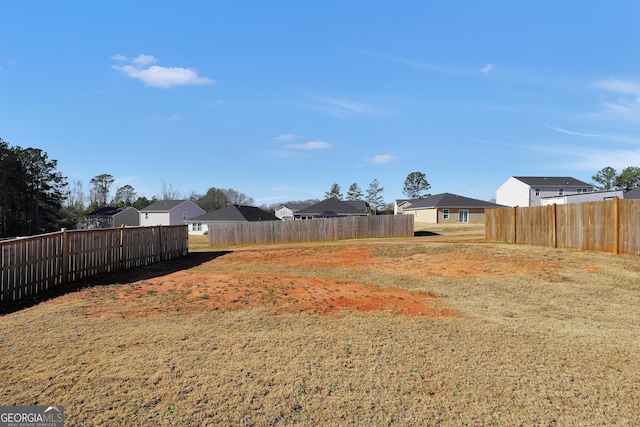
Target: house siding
(517, 193)
(154, 218)
(129, 216)
(175, 216)
(514, 193)
(198, 228)
(284, 213)
(423, 215)
(436, 215)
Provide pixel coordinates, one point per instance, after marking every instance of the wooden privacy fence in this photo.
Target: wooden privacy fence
(34, 264)
(315, 230)
(608, 226)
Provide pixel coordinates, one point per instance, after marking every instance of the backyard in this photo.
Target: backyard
(440, 329)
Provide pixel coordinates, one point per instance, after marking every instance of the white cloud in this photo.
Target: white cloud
(343, 108)
(142, 60)
(119, 58)
(594, 160)
(311, 145)
(625, 107)
(570, 132)
(289, 137)
(381, 159)
(624, 87)
(157, 76)
(487, 68)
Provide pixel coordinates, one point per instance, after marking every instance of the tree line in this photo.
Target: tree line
(36, 198)
(415, 187)
(608, 178)
(31, 191)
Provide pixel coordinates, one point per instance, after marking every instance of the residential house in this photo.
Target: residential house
(400, 204)
(169, 212)
(286, 211)
(200, 224)
(447, 208)
(359, 204)
(330, 208)
(632, 194)
(594, 196)
(110, 217)
(529, 190)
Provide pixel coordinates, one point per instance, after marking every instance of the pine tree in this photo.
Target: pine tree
(334, 193)
(374, 196)
(354, 192)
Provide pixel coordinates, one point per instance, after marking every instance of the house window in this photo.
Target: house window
(445, 214)
(197, 227)
(538, 192)
(560, 191)
(146, 215)
(582, 190)
(463, 216)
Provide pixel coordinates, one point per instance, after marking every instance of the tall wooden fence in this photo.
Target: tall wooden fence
(315, 230)
(608, 226)
(34, 264)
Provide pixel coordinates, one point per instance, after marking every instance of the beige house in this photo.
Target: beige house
(446, 208)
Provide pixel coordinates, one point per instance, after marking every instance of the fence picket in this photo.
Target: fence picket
(608, 226)
(34, 264)
(265, 232)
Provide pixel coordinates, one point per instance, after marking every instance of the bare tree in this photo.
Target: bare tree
(236, 198)
(75, 197)
(169, 193)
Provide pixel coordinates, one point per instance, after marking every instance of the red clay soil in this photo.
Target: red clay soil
(186, 292)
(212, 287)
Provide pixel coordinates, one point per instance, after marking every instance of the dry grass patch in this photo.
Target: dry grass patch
(538, 337)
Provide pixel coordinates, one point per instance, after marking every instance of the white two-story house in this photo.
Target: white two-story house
(529, 190)
(169, 212)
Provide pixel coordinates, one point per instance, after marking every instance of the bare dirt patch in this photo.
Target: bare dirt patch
(190, 293)
(225, 284)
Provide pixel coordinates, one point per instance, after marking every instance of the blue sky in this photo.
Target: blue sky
(281, 99)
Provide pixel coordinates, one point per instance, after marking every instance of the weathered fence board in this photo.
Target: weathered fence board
(607, 226)
(325, 229)
(34, 264)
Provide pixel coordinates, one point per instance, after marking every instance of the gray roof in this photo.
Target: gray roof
(331, 206)
(448, 200)
(236, 213)
(555, 181)
(294, 207)
(359, 204)
(163, 205)
(106, 211)
(632, 194)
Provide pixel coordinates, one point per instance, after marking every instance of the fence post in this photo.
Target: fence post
(515, 227)
(616, 226)
(121, 249)
(65, 256)
(554, 231)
